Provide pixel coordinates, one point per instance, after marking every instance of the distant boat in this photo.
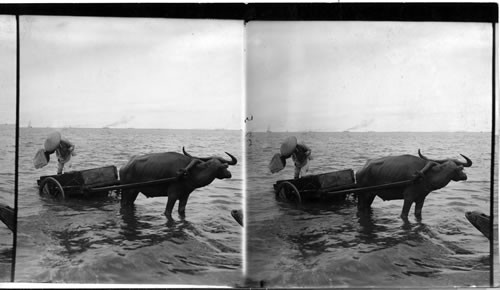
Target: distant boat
(29, 124)
(268, 129)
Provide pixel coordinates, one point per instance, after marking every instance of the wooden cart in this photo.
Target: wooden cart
(88, 182)
(331, 186)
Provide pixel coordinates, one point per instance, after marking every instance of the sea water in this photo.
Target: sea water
(325, 244)
(7, 179)
(92, 241)
(316, 244)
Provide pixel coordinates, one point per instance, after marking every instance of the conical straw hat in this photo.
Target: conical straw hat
(288, 146)
(52, 141)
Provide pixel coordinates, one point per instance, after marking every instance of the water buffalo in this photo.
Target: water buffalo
(429, 174)
(193, 173)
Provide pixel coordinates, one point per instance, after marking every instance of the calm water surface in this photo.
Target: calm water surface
(7, 170)
(92, 241)
(328, 245)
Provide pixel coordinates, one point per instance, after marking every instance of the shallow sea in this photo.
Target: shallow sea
(315, 244)
(7, 170)
(92, 241)
(326, 244)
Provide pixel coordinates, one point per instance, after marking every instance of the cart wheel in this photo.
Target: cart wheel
(288, 192)
(51, 187)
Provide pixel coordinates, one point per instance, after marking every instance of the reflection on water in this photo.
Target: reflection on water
(328, 244)
(95, 241)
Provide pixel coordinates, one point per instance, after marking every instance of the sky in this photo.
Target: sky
(290, 76)
(131, 73)
(7, 69)
(369, 76)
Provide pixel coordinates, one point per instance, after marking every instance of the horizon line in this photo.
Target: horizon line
(114, 128)
(258, 131)
(370, 131)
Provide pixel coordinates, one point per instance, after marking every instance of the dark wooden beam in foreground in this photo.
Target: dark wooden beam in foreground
(7, 216)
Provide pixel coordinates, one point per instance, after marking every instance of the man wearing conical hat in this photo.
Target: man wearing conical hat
(300, 156)
(300, 153)
(63, 148)
(64, 152)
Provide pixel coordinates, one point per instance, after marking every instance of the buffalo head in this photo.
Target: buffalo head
(450, 169)
(218, 163)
